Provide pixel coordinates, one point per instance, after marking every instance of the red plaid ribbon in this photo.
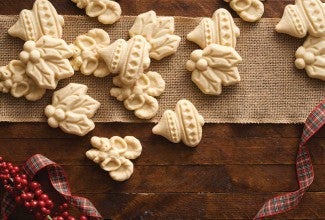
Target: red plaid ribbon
(304, 168)
(58, 180)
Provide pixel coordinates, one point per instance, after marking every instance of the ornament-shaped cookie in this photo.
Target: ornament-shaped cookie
(302, 17)
(248, 10)
(72, 110)
(221, 29)
(184, 124)
(107, 11)
(114, 155)
(311, 56)
(41, 20)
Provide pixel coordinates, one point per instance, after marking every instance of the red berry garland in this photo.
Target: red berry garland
(30, 194)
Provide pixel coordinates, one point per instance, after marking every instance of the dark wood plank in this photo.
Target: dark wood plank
(157, 151)
(200, 178)
(28, 130)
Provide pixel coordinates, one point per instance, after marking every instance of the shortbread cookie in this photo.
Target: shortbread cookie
(140, 98)
(47, 61)
(41, 20)
(311, 56)
(305, 16)
(114, 155)
(221, 29)
(183, 124)
(214, 67)
(72, 110)
(107, 11)
(13, 79)
(86, 57)
(130, 59)
(248, 10)
(159, 32)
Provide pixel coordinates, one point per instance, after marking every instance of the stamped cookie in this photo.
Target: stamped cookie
(183, 124)
(221, 29)
(114, 155)
(311, 56)
(14, 80)
(41, 20)
(302, 17)
(140, 97)
(248, 10)
(159, 32)
(107, 11)
(151, 37)
(47, 61)
(72, 110)
(86, 58)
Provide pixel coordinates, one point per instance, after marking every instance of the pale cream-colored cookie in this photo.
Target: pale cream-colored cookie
(140, 98)
(248, 10)
(114, 155)
(305, 16)
(41, 20)
(47, 61)
(159, 32)
(214, 67)
(86, 57)
(107, 11)
(221, 29)
(130, 59)
(13, 79)
(311, 56)
(183, 124)
(72, 110)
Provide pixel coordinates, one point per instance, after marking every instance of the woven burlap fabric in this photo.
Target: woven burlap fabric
(272, 89)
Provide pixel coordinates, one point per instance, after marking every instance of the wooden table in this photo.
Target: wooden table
(230, 175)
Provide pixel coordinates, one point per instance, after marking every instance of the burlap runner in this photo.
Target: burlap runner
(272, 89)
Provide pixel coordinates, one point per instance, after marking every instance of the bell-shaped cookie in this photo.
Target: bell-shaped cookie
(183, 124)
(42, 20)
(305, 16)
(129, 59)
(221, 29)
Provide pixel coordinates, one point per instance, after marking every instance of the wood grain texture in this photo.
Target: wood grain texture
(234, 170)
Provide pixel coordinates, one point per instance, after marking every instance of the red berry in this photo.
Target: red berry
(44, 197)
(65, 206)
(44, 210)
(41, 204)
(23, 176)
(34, 185)
(65, 214)
(33, 203)
(24, 182)
(18, 199)
(71, 218)
(23, 196)
(49, 204)
(83, 218)
(27, 204)
(59, 218)
(38, 192)
(29, 196)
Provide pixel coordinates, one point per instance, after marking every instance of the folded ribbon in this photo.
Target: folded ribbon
(304, 168)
